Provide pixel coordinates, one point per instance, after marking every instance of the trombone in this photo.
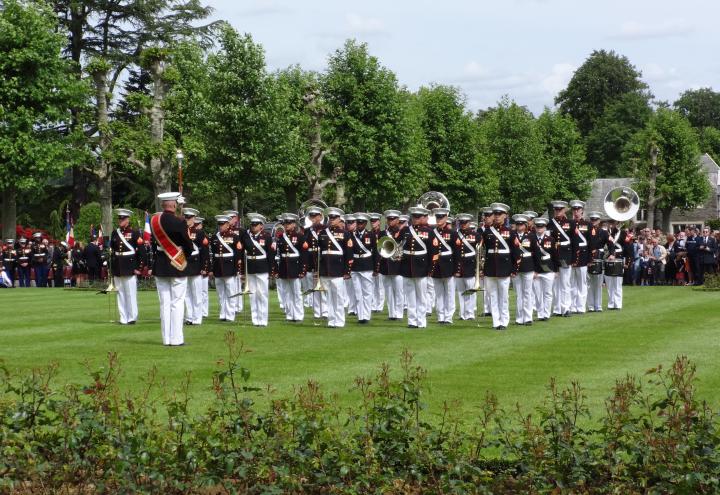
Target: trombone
(479, 260)
(319, 287)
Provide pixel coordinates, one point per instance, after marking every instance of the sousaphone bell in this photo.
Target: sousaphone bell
(621, 203)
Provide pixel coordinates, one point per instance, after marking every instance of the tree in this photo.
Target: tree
(607, 139)
(602, 79)
(700, 106)
(515, 150)
(709, 139)
(570, 175)
(37, 89)
(372, 131)
(675, 178)
(457, 167)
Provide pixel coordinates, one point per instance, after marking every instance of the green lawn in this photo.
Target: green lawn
(463, 361)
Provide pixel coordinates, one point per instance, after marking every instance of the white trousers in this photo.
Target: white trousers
(237, 301)
(335, 299)
(561, 291)
(193, 300)
(416, 294)
(279, 295)
(318, 299)
(205, 296)
(292, 298)
(226, 287)
(126, 298)
(378, 293)
(363, 287)
(350, 296)
(486, 299)
(445, 298)
(579, 289)
(430, 298)
(594, 299)
(171, 292)
(499, 299)
(524, 297)
(467, 302)
(394, 294)
(259, 283)
(543, 286)
(615, 291)
(306, 284)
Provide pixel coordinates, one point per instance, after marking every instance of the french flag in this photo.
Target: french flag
(147, 235)
(69, 231)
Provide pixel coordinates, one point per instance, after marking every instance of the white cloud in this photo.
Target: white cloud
(359, 24)
(559, 76)
(262, 8)
(633, 30)
(474, 69)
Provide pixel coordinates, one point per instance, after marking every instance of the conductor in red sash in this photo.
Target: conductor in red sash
(171, 246)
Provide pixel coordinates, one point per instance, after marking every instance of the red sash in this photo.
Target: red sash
(172, 250)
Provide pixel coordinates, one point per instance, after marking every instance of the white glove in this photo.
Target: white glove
(181, 200)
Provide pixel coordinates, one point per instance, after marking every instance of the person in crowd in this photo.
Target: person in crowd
(93, 260)
(707, 254)
(670, 260)
(5, 282)
(79, 265)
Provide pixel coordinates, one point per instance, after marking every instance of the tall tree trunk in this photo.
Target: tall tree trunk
(340, 198)
(78, 18)
(652, 185)
(314, 172)
(666, 213)
(159, 166)
(291, 198)
(103, 171)
(9, 213)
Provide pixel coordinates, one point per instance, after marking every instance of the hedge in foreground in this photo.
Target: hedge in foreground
(654, 437)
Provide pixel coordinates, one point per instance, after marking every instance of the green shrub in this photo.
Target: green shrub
(655, 437)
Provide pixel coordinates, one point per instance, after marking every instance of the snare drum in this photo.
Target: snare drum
(614, 268)
(596, 267)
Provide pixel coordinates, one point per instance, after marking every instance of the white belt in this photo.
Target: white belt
(525, 255)
(546, 257)
(290, 255)
(123, 253)
(260, 257)
(415, 253)
(225, 255)
(564, 243)
(39, 255)
(364, 255)
(446, 254)
(330, 251)
(498, 251)
(468, 255)
(7, 259)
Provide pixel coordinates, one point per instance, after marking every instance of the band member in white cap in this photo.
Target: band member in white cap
(171, 246)
(364, 267)
(487, 221)
(390, 269)
(226, 248)
(198, 264)
(465, 243)
(545, 257)
(317, 299)
(581, 258)
(598, 243)
(615, 264)
(498, 266)
(420, 249)
(562, 229)
(336, 257)
(236, 230)
(126, 261)
(350, 297)
(291, 267)
(525, 266)
(204, 277)
(442, 275)
(378, 288)
(259, 250)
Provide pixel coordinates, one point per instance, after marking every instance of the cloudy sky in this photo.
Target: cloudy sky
(527, 49)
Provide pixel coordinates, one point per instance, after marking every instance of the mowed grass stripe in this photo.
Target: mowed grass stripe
(463, 360)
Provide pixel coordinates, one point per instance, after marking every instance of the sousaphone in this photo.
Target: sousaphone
(431, 200)
(621, 203)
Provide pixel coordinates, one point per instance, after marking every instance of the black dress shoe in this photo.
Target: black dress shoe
(132, 322)
(487, 314)
(528, 323)
(566, 314)
(392, 319)
(412, 326)
(501, 327)
(188, 323)
(223, 319)
(363, 322)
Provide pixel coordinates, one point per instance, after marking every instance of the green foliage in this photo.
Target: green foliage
(90, 214)
(516, 151)
(457, 165)
(37, 89)
(654, 437)
(709, 139)
(613, 129)
(602, 79)
(371, 128)
(700, 106)
(570, 176)
(681, 181)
